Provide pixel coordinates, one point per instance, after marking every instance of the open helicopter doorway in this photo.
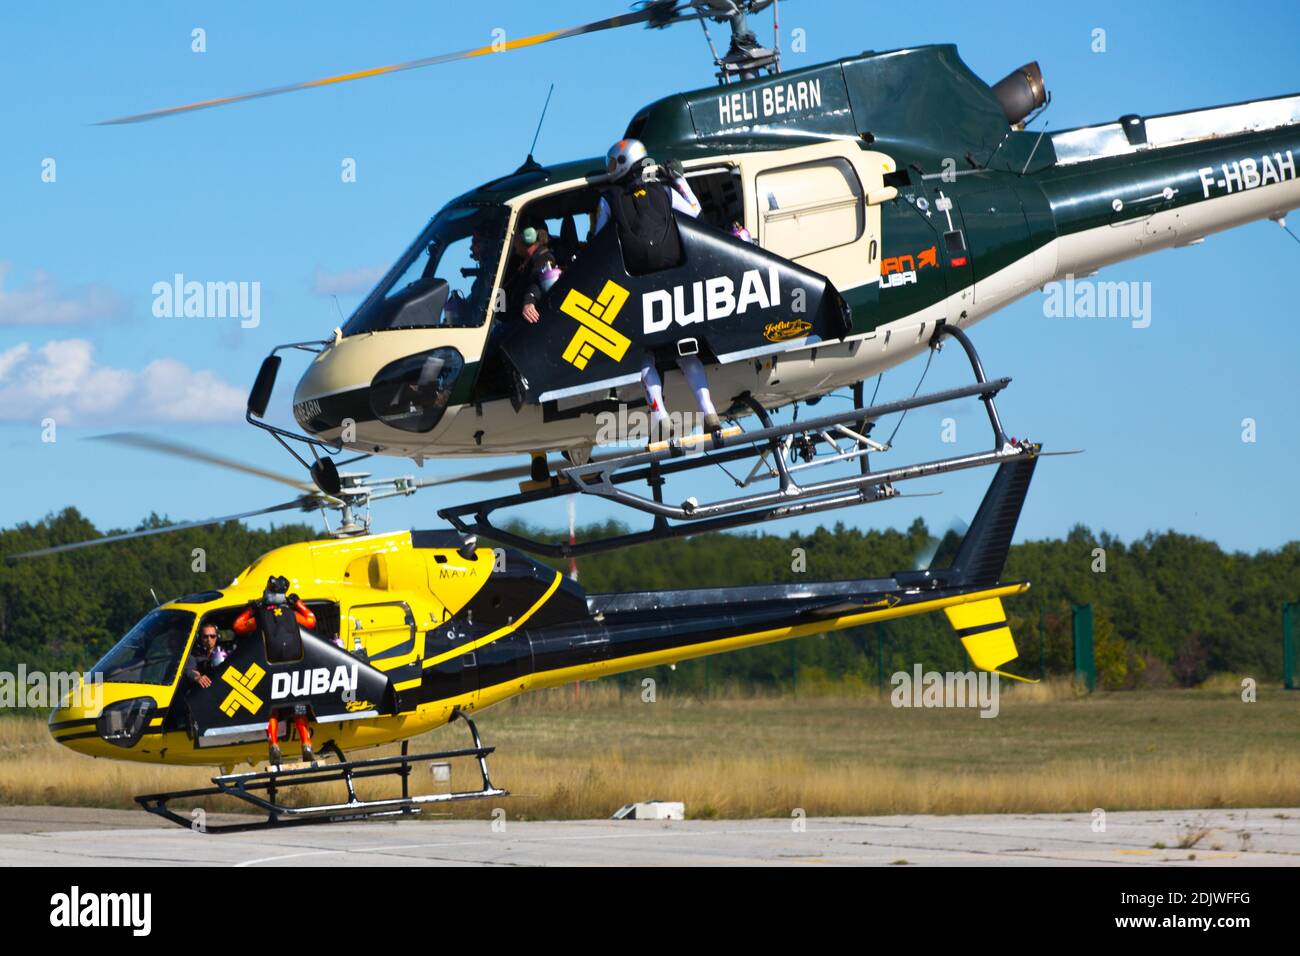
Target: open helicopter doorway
(565, 221)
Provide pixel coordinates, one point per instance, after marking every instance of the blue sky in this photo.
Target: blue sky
(253, 193)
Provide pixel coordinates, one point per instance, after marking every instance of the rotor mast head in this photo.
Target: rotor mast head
(745, 57)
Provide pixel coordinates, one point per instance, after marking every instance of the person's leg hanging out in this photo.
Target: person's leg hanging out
(654, 397)
(304, 733)
(273, 736)
(693, 369)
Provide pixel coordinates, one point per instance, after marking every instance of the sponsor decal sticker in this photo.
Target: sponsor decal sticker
(709, 299)
(786, 330)
(902, 270)
(314, 682)
(243, 685)
(596, 318)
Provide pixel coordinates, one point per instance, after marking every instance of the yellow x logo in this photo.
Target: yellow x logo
(242, 685)
(597, 321)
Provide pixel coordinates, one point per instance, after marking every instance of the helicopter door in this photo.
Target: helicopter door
(450, 669)
(819, 206)
(385, 637)
(925, 259)
(997, 235)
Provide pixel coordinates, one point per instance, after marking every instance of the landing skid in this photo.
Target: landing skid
(771, 445)
(249, 788)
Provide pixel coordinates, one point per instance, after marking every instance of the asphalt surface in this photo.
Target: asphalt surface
(67, 836)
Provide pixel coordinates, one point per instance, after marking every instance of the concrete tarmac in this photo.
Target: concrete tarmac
(70, 836)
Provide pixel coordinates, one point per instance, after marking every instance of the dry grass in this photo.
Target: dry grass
(567, 755)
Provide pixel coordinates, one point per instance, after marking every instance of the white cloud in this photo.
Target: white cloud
(41, 302)
(348, 282)
(62, 380)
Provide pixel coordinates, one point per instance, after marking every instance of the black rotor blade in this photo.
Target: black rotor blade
(658, 13)
(304, 504)
(177, 449)
(496, 474)
(500, 474)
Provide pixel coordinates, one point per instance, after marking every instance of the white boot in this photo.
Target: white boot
(693, 369)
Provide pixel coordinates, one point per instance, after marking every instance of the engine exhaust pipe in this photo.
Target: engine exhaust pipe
(1021, 92)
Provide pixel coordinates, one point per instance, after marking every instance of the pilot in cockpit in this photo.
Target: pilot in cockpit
(207, 656)
(462, 309)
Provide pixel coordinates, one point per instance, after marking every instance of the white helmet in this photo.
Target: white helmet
(623, 157)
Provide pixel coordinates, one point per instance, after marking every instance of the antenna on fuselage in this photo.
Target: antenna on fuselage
(776, 35)
(530, 161)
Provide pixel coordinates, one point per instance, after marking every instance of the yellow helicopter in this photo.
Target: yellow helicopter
(415, 629)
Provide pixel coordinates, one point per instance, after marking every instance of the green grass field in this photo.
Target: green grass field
(567, 754)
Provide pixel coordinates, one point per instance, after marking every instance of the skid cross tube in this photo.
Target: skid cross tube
(662, 531)
(745, 503)
(248, 787)
(778, 459)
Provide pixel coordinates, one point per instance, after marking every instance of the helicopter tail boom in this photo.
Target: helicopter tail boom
(647, 629)
(1156, 182)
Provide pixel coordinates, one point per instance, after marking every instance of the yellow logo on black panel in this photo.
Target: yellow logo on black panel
(786, 329)
(597, 321)
(242, 686)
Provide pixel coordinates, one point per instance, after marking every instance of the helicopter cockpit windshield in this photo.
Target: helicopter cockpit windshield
(151, 651)
(443, 280)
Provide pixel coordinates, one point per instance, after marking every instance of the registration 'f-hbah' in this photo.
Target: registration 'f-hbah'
(413, 630)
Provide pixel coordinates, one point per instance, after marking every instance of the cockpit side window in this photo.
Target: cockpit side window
(151, 651)
(444, 278)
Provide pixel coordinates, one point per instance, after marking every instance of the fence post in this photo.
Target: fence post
(1288, 645)
(1085, 665)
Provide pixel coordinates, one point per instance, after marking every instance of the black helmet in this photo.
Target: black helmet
(277, 586)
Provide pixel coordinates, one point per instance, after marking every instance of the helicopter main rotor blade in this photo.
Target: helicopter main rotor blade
(176, 449)
(497, 474)
(304, 503)
(657, 13)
